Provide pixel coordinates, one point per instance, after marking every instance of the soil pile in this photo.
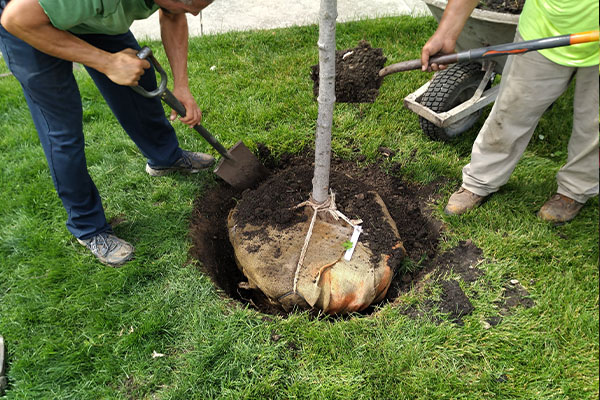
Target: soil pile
(505, 6)
(272, 204)
(357, 77)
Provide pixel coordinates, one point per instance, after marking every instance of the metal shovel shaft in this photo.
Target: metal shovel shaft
(495, 51)
(168, 97)
(238, 167)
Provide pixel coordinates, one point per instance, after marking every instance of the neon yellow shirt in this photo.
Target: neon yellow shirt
(545, 18)
(111, 17)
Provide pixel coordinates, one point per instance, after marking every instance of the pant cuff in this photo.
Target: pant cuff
(578, 198)
(477, 190)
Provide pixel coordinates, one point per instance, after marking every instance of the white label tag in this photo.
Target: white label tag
(354, 241)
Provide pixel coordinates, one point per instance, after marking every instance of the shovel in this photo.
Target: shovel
(238, 167)
(477, 54)
(495, 51)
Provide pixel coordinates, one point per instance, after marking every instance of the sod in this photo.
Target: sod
(75, 329)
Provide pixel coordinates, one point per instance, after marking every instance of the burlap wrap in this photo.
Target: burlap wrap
(268, 257)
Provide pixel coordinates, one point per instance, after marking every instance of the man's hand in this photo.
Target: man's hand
(174, 33)
(444, 39)
(126, 68)
(193, 114)
(436, 44)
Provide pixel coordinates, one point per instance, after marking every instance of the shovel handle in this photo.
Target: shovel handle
(146, 54)
(495, 51)
(416, 64)
(167, 96)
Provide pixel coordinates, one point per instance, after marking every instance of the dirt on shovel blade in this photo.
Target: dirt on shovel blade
(357, 77)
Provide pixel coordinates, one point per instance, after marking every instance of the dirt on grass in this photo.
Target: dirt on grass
(410, 206)
(357, 77)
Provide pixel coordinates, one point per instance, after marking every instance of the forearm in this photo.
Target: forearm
(455, 16)
(27, 20)
(174, 34)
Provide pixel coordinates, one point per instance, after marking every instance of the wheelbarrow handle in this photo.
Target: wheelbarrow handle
(169, 98)
(495, 51)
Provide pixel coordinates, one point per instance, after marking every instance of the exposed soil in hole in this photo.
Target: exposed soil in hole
(408, 204)
(507, 6)
(357, 77)
(272, 204)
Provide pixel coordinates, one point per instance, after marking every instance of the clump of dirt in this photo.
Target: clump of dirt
(506, 6)
(357, 77)
(454, 301)
(461, 260)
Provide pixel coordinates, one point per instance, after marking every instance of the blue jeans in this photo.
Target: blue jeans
(54, 101)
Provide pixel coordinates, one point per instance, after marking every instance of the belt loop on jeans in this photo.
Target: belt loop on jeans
(3, 3)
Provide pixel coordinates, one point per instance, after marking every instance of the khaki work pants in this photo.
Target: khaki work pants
(530, 84)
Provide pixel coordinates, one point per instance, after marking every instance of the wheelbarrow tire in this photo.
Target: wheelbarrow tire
(448, 89)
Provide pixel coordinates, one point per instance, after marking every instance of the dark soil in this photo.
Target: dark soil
(461, 260)
(290, 184)
(408, 204)
(514, 295)
(454, 301)
(357, 77)
(505, 6)
(273, 202)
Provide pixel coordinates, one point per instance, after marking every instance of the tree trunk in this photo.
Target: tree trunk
(326, 99)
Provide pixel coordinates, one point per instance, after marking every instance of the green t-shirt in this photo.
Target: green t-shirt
(111, 17)
(545, 18)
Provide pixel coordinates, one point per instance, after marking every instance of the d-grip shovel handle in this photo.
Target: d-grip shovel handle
(167, 96)
(495, 51)
(146, 54)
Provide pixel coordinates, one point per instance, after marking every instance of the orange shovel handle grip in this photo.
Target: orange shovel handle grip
(584, 37)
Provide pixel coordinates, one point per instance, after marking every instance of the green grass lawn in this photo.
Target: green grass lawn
(76, 329)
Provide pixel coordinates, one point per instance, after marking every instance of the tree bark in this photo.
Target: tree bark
(326, 99)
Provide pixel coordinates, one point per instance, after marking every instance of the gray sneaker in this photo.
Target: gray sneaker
(190, 162)
(109, 249)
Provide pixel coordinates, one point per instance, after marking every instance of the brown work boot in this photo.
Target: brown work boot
(462, 201)
(559, 208)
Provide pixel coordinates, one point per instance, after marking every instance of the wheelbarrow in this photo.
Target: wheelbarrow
(453, 100)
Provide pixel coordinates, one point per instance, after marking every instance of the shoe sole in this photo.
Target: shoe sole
(162, 172)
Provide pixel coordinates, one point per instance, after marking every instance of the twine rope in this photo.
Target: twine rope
(328, 206)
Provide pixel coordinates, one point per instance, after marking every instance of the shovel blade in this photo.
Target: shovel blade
(242, 170)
